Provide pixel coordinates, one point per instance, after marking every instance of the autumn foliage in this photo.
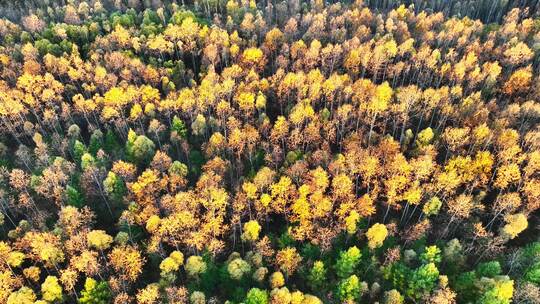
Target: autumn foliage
(283, 152)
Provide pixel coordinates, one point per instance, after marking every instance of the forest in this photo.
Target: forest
(270, 152)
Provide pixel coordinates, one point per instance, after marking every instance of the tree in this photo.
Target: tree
(348, 290)
(253, 57)
(51, 290)
(99, 239)
(197, 297)
(431, 254)
(497, 290)
(127, 261)
(10, 257)
(376, 235)
(198, 127)
(425, 137)
(114, 186)
(237, 268)
(310, 299)
(453, 255)
(277, 279)
(515, 224)
(139, 148)
(443, 295)
(172, 262)
(78, 150)
(251, 231)
(94, 292)
(532, 273)
(518, 54)
(351, 222)
(280, 295)
(288, 260)
(24, 295)
(507, 175)
(317, 275)
(432, 206)
(178, 128)
(518, 82)
(195, 265)
(87, 160)
(379, 103)
(393, 297)
(46, 247)
(246, 102)
(422, 281)
(149, 294)
(488, 269)
(74, 197)
(348, 261)
(256, 296)
(33, 23)
(96, 142)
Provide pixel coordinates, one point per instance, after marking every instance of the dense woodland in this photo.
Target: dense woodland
(269, 152)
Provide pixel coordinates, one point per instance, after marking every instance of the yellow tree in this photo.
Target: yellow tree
(515, 224)
(376, 235)
(253, 58)
(519, 81)
(251, 231)
(378, 104)
(99, 239)
(288, 260)
(51, 289)
(127, 261)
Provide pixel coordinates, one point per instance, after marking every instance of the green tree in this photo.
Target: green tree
(532, 274)
(464, 285)
(530, 259)
(348, 261)
(178, 168)
(256, 296)
(488, 269)
(453, 256)
(74, 197)
(431, 254)
(348, 290)
(95, 293)
(111, 144)
(422, 281)
(78, 150)
(139, 148)
(114, 186)
(96, 142)
(317, 275)
(179, 127)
